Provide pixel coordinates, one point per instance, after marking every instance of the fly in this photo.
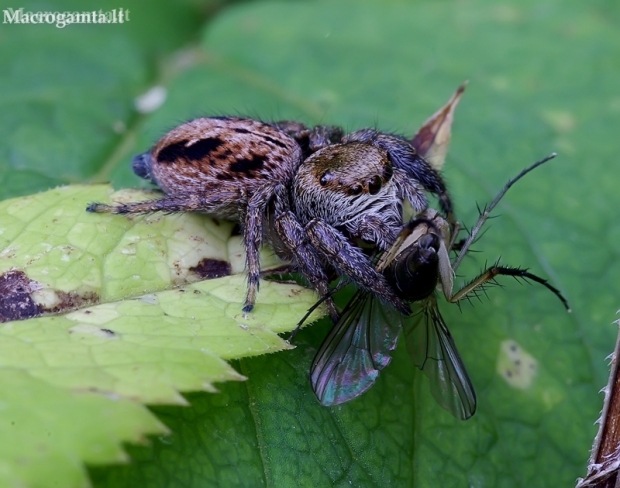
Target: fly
(416, 266)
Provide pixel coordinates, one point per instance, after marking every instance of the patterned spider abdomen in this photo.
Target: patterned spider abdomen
(228, 156)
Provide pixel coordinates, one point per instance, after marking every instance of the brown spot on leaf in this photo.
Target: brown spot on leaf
(17, 302)
(72, 301)
(212, 268)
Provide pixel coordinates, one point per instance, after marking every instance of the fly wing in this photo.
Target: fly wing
(355, 350)
(433, 351)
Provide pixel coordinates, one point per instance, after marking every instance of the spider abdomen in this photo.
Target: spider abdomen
(231, 155)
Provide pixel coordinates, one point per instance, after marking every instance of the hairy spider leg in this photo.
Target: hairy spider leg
(352, 262)
(294, 237)
(252, 235)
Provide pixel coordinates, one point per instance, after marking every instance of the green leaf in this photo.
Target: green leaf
(138, 343)
(543, 77)
(49, 432)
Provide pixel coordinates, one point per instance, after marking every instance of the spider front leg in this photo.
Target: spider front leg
(294, 238)
(372, 228)
(352, 262)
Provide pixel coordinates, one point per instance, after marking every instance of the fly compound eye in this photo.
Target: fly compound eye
(374, 185)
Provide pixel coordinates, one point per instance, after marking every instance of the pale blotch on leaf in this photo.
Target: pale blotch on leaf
(151, 299)
(613, 105)
(9, 252)
(45, 297)
(506, 14)
(119, 127)
(560, 120)
(515, 365)
(97, 315)
(500, 83)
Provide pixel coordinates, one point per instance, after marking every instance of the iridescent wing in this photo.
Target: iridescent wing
(356, 349)
(432, 349)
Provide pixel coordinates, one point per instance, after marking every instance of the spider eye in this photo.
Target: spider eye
(356, 189)
(374, 185)
(326, 178)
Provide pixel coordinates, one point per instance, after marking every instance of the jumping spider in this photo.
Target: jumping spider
(310, 192)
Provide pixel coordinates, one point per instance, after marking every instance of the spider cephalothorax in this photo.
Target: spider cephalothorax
(310, 210)
(354, 186)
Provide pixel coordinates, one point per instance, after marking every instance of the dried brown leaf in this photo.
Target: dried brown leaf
(433, 138)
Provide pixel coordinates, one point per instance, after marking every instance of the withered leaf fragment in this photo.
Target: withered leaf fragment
(433, 138)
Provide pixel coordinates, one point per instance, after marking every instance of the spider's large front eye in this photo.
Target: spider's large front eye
(374, 185)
